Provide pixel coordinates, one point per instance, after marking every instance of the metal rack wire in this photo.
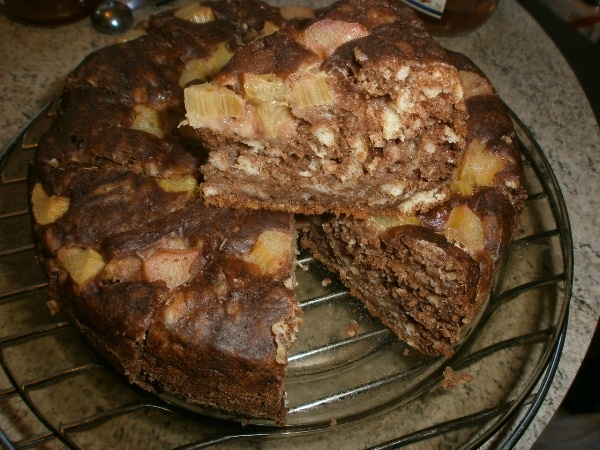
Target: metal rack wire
(56, 392)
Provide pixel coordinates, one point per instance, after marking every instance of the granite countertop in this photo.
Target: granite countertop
(522, 62)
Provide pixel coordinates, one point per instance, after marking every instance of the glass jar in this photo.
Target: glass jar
(47, 12)
(452, 17)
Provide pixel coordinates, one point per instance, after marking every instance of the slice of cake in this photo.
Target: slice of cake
(359, 112)
(183, 298)
(427, 276)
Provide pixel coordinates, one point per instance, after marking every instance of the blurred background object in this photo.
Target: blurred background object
(576, 424)
(47, 12)
(582, 54)
(453, 17)
(582, 15)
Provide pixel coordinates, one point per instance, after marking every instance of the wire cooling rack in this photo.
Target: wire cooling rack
(363, 391)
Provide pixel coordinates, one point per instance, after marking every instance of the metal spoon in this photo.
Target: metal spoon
(113, 16)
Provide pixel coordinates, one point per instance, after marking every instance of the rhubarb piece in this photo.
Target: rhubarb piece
(173, 267)
(268, 94)
(325, 36)
(271, 252)
(203, 69)
(204, 101)
(187, 184)
(311, 91)
(47, 209)
(83, 264)
(196, 13)
(148, 119)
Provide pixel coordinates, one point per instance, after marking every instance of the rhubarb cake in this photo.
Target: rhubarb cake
(358, 112)
(172, 247)
(427, 276)
(183, 298)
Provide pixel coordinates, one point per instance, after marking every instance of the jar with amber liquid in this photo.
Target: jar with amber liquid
(47, 12)
(453, 17)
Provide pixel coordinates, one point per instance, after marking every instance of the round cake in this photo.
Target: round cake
(198, 301)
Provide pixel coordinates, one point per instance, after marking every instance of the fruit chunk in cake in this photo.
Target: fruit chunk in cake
(358, 112)
(427, 276)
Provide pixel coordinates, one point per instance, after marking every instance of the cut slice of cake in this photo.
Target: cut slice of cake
(359, 112)
(427, 276)
(185, 299)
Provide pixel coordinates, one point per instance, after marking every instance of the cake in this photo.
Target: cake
(158, 250)
(181, 297)
(358, 112)
(427, 276)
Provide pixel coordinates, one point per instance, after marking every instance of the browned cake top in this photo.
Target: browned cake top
(388, 22)
(367, 30)
(233, 22)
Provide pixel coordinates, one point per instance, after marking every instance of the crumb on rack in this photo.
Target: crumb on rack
(326, 282)
(452, 378)
(405, 352)
(352, 328)
(53, 306)
(333, 423)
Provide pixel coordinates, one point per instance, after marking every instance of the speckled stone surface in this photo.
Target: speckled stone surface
(524, 65)
(538, 85)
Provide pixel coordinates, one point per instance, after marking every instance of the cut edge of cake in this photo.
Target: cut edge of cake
(169, 290)
(360, 113)
(428, 276)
